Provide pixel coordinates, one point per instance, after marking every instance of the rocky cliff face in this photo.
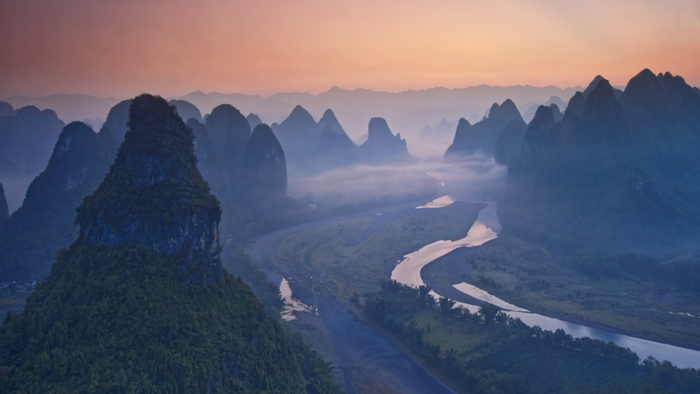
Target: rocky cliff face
(4, 211)
(155, 196)
(265, 167)
(229, 132)
(208, 161)
(576, 104)
(382, 146)
(45, 221)
(117, 119)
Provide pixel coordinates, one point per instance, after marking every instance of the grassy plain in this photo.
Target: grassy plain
(350, 257)
(530, 277)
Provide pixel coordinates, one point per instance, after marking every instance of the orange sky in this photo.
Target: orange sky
(122, 48)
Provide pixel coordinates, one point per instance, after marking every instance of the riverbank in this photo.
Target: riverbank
(430, 272)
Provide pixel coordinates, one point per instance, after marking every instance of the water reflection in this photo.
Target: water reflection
(407, 271)
(291, 304)
(482, 295)
(486, 228)
(438, 202)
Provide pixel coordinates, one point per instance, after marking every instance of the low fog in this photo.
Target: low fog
(474, 178)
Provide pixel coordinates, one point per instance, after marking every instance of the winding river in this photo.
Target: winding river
(486, 228)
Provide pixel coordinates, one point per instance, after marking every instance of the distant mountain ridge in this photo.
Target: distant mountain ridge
(406, 111)
(69, 107)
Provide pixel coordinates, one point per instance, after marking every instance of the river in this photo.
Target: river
(486, 228)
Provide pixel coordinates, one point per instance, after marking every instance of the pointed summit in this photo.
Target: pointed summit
(117, 119)
(298, 135)
(462, 137)
(156, 161)
(299, 116)
(592, 85)
(643, 99)
(603, 114)
(130, 291)
(482, 136)
(576, 104)
(253, 120)
(506, 111)
(229, 132)
(329, 120)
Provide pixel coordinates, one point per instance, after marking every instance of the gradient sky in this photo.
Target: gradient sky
(122, 48)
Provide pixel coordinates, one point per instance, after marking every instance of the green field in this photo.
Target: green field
(351, 257)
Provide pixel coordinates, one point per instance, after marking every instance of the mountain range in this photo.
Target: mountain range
(482, 136)
(140, 301)
(620, 168)
(407, 111)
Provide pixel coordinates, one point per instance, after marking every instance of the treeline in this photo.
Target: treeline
(515, 358)
(684, 273)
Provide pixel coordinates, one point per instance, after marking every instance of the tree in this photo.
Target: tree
(445, 305)
(488, 313)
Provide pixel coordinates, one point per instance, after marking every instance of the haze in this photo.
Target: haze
(170, 48)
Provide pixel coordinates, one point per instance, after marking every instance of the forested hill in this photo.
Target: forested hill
(139, 302)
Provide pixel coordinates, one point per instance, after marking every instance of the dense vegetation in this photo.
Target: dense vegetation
(510, 357)
(117, 319)
(164, 161)
(120, 314)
